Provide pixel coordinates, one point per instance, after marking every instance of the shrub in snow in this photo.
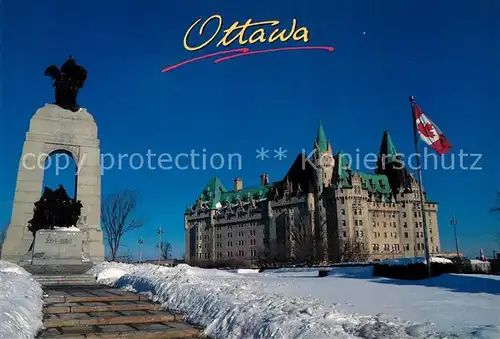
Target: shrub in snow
(482, 267)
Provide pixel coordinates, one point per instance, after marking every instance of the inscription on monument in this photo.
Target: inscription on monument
(55, 241)
(58, 247)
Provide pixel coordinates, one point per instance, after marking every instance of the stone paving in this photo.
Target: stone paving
(96, 311)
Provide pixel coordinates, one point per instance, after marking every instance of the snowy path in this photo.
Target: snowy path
(275, 305)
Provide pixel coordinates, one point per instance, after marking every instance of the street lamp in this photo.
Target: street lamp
(140, 241)
(454, 222)
(159, 231)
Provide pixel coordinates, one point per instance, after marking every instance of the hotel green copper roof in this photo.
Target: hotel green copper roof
(387, 148)
(214, 192)
(321, 138)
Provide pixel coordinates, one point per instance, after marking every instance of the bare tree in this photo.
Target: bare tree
(116, 218)
(302, 243)
(3, 234)
(166, 250)
(353, 251)
(496, 209)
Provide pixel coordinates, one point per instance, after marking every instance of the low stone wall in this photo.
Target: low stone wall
(415, 271)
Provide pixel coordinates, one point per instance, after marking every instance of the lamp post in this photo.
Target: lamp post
(140, 241)
(454, 222)
(159, 231)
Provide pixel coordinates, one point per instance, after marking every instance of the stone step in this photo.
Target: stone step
(179, 331)
(67, 283)
(65, 279)
(114, 320)
(100, 308)
(63, 299)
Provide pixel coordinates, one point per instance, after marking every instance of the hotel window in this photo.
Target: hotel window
(406, 234)
(343, 222)
(355, 211)
(374, 234)
(418, 246)
(407, 247)
(385, 224)
(361, 233)
(375, 247)
(404, 214)
(417, 235)
(342, 211)
(360, 212)
(385, 234)
(344, 234)
(356, 222)
(361, 223)
(386, 247)
(342, 200)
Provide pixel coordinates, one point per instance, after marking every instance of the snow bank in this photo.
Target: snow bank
(66, 229)
(20, 303)
(297, 269)
(247, 271)
(230, 305)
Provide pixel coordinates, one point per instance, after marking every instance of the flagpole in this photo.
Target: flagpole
(422, 200)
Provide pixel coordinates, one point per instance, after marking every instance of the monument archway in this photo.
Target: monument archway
(55, 129)
(61, 169)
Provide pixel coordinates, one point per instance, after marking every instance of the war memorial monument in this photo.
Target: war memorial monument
(52, 233)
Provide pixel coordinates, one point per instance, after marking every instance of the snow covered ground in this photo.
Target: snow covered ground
(294, 303)
(20, 303)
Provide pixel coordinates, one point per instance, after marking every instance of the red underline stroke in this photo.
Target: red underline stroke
(238, 52)
(229, 57)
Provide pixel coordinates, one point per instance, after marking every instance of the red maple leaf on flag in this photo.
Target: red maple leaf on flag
(426, 130)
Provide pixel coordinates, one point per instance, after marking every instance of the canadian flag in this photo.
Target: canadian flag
(429, 132)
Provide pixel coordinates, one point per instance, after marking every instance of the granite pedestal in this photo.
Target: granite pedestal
(58, 251)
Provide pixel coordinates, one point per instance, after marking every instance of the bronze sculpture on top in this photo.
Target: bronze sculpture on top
(67, 81)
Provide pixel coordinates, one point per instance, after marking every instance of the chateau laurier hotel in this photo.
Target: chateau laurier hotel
(378, 214)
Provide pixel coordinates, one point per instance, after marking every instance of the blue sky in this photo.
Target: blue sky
(444, 53)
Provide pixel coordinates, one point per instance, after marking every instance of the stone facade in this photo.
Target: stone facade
(55, 130)
(319, 205)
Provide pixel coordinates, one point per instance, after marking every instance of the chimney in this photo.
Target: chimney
(238, 184)
(264, 179)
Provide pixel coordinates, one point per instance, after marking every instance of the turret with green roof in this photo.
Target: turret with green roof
(321, 141)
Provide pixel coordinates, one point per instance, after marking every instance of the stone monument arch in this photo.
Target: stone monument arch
(59, 127)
